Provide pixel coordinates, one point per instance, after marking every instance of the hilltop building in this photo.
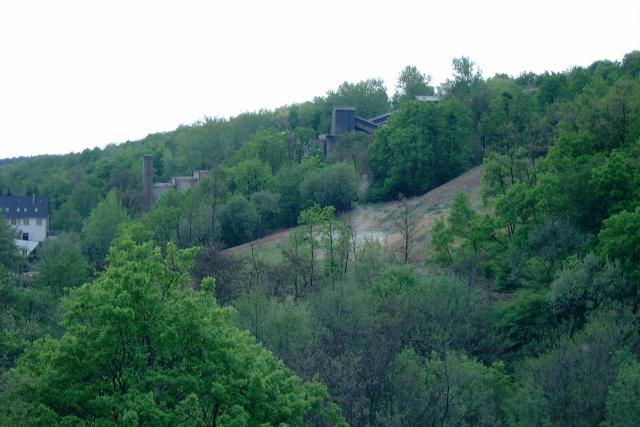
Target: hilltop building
(345, 120)
(28, 217)
(152, 191)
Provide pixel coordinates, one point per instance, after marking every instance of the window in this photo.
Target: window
(35, 209)
(25, 209)
(6, 209)
(25, 236)
(18, 209)
(25, 221)
(13, 221)
(38, 221)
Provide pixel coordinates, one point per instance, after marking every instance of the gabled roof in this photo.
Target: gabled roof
(382, 118)
(24, 207)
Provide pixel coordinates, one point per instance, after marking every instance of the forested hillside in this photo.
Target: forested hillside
(523, 312)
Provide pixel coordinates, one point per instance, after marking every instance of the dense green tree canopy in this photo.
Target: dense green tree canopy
(141, 348)
(62, 264)
(423, 146)
(101, 226)
(335, 185)
(238, 220)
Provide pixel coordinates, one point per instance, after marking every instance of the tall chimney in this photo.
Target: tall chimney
(147, 182)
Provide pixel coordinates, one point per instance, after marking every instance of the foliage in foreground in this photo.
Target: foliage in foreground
(141, 348)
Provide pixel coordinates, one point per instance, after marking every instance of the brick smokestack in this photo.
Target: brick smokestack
(147, 182)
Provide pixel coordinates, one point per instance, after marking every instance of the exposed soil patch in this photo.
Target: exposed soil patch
(376, 222)
(278, 237)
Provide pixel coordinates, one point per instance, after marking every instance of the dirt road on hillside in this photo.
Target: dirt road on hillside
(375, 222)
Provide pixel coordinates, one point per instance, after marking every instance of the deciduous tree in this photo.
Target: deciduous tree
(140, 347)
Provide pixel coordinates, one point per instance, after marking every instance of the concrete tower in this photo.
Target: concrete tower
(343, 120)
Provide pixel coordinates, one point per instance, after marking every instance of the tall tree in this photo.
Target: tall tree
(101, 226)
(238, 220)
(423, 146)
(411, 82)
(466, 78)
(335, 185)
(405, 220)
(248, 176)
(62, 265)
(310, 224)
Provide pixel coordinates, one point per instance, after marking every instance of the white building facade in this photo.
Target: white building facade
(27, 216)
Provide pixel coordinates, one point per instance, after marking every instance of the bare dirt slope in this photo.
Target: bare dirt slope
(377, 221)
(271, 239)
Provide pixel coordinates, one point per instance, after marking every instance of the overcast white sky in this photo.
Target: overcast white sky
(73, 75)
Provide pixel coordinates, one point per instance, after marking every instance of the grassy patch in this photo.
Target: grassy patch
(271, 254)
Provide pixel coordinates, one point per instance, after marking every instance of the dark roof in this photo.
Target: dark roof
(366, 125)
(382, 118)
(24, 207)
(427, 98)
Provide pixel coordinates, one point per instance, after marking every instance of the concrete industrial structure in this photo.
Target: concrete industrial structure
(152, 191)
(28, 218)
(345, 120)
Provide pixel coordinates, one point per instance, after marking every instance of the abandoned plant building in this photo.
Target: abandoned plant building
(345, 120)
(152, 191)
